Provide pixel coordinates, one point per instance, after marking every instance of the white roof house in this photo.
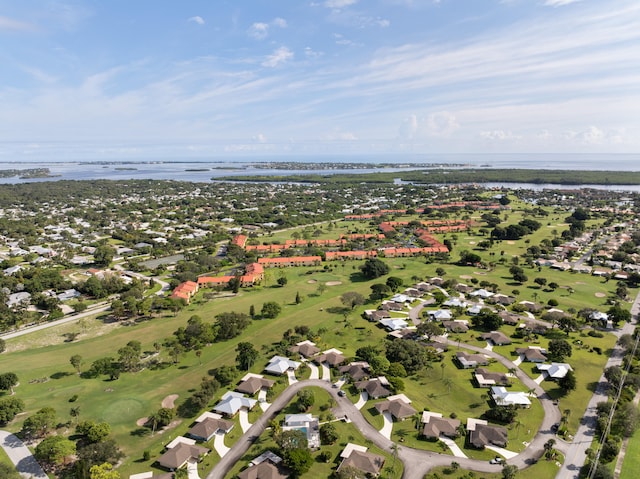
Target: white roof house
(455, 303)
(483, 293)
(502, 397)
(440, 314)
(554, 370)
(232, 402)
(279, 365)
(394, 324)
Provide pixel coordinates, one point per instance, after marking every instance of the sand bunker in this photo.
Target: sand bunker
(312, 281)
(481, 273)
(333, 283)
(465, 276)
(169, 401)
(600, 295)
(511, 242)
(142, 421)
(472, 242)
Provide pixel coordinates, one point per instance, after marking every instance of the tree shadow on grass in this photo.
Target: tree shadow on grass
(60, 375)
(140, 432)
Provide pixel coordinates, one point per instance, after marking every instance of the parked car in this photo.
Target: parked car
(341, 393)
(496, 460)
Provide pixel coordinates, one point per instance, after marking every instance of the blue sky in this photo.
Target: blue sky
(145, 78)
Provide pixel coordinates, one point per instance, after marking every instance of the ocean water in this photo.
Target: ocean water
(206, 169)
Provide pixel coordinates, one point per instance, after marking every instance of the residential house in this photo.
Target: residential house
(532, 354)
(252, 383)
(353, 456)
(456, 326)
(333, 357)
(498, 338)
(305, 348)
(205, 430)
(179, 454)
(481, 434)
(502, 397)
(279, 365)
(399, 406)
(290, 261)
(435, 425)
(394, 324)
(357, 370)
(266, 466)
(554, 371)
(185, 291)
(485, 378)
(232, 402)
(467, 361)
(440, 315)
(305, 423)
(376, 388)
(376, 315)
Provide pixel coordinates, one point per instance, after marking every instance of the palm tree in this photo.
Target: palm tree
(448, 382)
(394, 450)
(517, 423)
(75, 412)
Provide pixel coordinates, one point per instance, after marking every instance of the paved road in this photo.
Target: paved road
(420, 461)
(21, 457)
(90, 311)
(95, 309)
(576, 454)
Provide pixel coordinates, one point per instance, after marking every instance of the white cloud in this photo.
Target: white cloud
(409, 128)
(339, 3)
(593, 136)
(341, 136)
(10, 24)
(442, 124)
(197, 19)
(279, 22)
(259, 30)
(559, 3)
(311, 53)
(499, 135)
(278, 57)
(260, 138)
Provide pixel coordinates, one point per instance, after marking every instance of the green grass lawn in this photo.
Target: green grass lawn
(319, 470)
(542, 469)
(41, 359)
(631, 464)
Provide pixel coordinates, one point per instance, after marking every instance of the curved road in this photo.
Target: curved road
(420, 461)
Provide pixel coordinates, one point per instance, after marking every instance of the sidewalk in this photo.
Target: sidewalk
(21, 456)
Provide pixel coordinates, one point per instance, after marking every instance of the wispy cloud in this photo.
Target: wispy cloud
(559, 3)
(197, 19)
(260, 30)
(278, 57)
(339, 3)
(10, 24)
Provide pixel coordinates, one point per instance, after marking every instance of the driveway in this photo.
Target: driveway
(315, 373)
(387, 426)
(21, 457)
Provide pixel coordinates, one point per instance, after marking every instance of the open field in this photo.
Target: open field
(631, 464)
(41, 360)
